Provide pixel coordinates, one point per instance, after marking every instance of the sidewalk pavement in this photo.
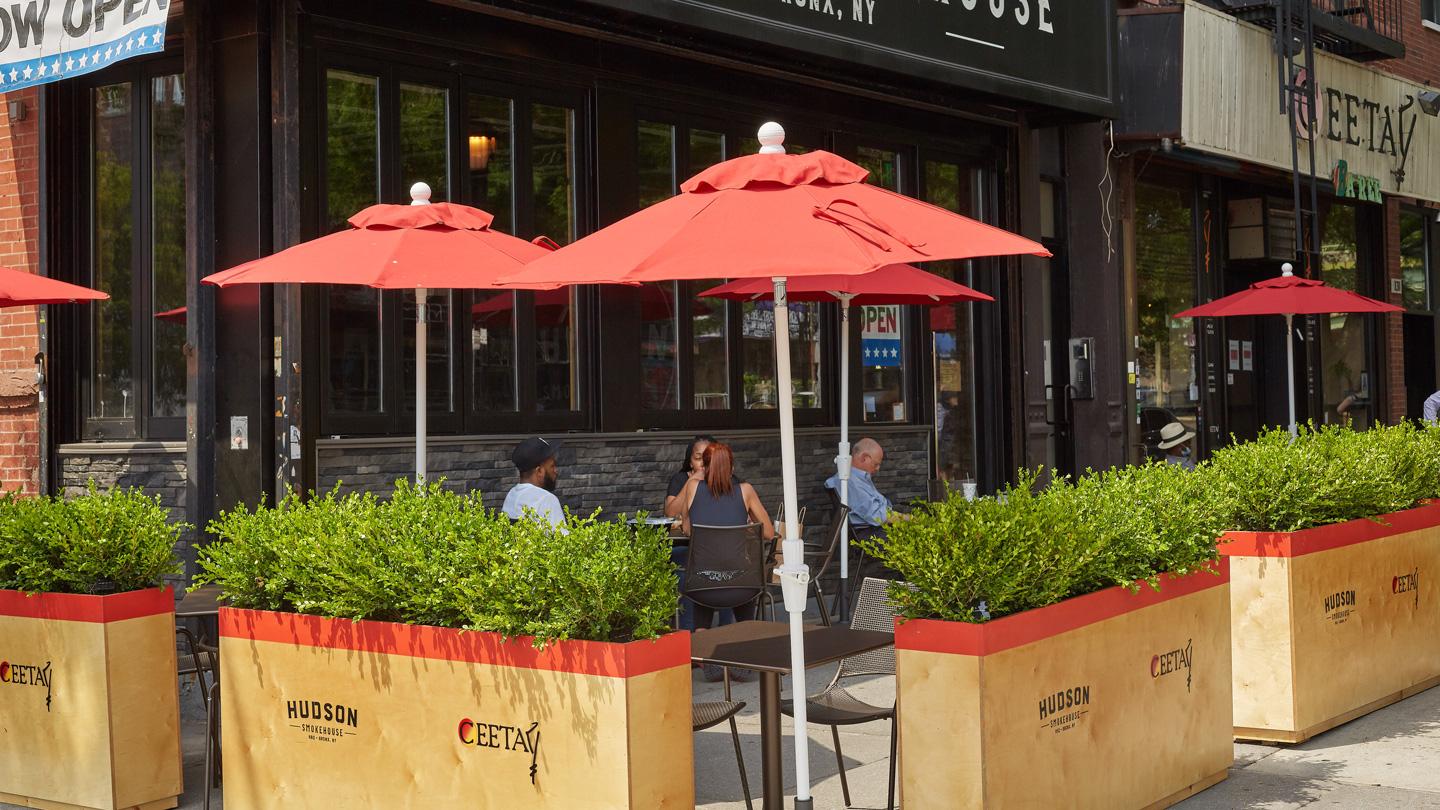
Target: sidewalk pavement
(1390, 758)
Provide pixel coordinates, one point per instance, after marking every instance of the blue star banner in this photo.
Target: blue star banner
(48, 40)
(880, 337)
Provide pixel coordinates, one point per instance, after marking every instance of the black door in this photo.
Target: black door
(1419, 362)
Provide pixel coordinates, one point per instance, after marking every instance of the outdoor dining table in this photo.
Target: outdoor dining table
(203, 604)
(765, 648)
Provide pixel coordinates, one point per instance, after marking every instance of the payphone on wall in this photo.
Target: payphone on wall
(1082, 372)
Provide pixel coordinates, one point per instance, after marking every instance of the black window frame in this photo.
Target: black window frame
(75, 261)
(397, 414)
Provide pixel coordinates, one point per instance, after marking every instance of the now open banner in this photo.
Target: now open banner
(47, 40)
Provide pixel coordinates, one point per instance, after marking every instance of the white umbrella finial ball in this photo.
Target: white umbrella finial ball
(772, 138)
(1287, 269)
(420, 194)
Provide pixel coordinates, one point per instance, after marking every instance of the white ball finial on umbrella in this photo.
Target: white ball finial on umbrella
(772, 138)
(420, 194)
(1287, 269)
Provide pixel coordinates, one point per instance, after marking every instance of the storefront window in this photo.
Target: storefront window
(552, 177)
(492, 344)
(951, 186)
(556, 386)
(883, 349)
(1414, 261)
(352, 144)
(489, 159)
(757, 331)
(112, 366)
(439, 374)
(710, 339)
(135, 375)
(1344, 373)
(659, 320)
(424, 149)
(1167, 384)
(357, 383)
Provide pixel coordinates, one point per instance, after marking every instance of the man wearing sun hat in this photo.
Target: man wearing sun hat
(1175, 443)
(534, 496)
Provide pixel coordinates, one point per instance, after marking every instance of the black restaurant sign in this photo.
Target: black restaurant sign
(1058, 53)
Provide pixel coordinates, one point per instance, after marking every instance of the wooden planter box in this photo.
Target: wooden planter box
(322, 712)
(1109, 700)
(1333, 622)
(89, 700)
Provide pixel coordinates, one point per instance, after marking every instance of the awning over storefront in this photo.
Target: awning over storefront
(1209, 83)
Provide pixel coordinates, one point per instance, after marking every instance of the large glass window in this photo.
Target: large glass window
(1345, 372)
(424, 150)
(883, 348)
(1415, 261)
(135, 381)
(659, 313)
(952, 186)
(757, 334)
(1167, 383)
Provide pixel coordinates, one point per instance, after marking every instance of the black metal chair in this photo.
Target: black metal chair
(820, 559)
(835, 706)
(202, 661)
(708, 715)
(723, 560)
(212, 742)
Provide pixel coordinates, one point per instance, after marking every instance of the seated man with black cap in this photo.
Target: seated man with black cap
(534, 496)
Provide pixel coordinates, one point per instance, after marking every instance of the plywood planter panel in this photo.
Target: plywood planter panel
(1110, 700)
(322, 712)
(1333, 622)
(89, 702)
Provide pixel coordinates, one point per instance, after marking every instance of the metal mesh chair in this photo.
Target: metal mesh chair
(201, 662)
(708, 715)
(835, 706)
(820, 558)
(723, 560)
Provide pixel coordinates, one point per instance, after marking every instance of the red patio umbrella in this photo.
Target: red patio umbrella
(420, 246)
(891, 284)
(1288, 295)
(19, 288)
(775, 216)
(176, 315)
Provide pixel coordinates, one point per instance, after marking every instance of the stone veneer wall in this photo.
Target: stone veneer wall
(158, 468)
(622, 473)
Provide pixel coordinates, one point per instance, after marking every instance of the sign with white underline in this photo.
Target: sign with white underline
(1059, 53)
(43, 41)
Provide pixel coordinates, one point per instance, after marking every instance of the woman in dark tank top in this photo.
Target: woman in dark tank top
(719, 500)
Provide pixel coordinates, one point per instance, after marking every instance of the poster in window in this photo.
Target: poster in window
(880, 337)
(1247, 355)
(1234, 356)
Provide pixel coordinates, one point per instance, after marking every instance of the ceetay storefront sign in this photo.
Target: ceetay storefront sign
(47, 40)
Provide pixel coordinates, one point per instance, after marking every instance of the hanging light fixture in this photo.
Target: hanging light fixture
(481, 148)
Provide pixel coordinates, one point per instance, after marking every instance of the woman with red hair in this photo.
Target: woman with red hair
(718, 499)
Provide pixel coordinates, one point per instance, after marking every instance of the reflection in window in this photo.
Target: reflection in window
(352, 182)
(706, 149)
(710, 333)
(438, 376)
(167, 243)
(1167, 370)
(552, 169)
(1344, 372)
(489, 158)
(949, 186)
(556, 385)
(424, 124)
(1414, 261)
(112, 158)
(352, 143)
(882, 343)
(883, 165)
(659, 321)
(492, 343)
(757, 332)
(353, 347)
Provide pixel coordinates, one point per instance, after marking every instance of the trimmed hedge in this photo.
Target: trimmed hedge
(436, 558)
(99, 542)
(1031, 546)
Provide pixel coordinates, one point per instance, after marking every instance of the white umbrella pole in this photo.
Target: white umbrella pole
(794, 574)
(421, 372)
(1290, 368)
(842, 453)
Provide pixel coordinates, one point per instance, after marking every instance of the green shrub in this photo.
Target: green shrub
(1032, 547)
(1325, 475)
(442, 559)
(118, 540)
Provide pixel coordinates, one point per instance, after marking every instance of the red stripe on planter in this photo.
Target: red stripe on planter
(960, 638)
(1325, 538)
(446, 644)
(81, 607)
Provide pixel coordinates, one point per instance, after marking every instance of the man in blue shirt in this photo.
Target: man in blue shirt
(869, 510)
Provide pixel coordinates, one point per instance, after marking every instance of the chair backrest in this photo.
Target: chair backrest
(724, 558)
(874, 610)
(839, 522)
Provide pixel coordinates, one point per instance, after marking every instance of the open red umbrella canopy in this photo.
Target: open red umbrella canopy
(891, 284)
(1288, 295)
(436, 246)
(19, 288)
(770, 215)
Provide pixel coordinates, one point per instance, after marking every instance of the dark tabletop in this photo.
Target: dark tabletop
(203, 601)
(765, 646)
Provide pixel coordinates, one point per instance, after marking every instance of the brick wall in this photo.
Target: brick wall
(623, 474)
(1422, 48)
(19, 331)
(1393, 324)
